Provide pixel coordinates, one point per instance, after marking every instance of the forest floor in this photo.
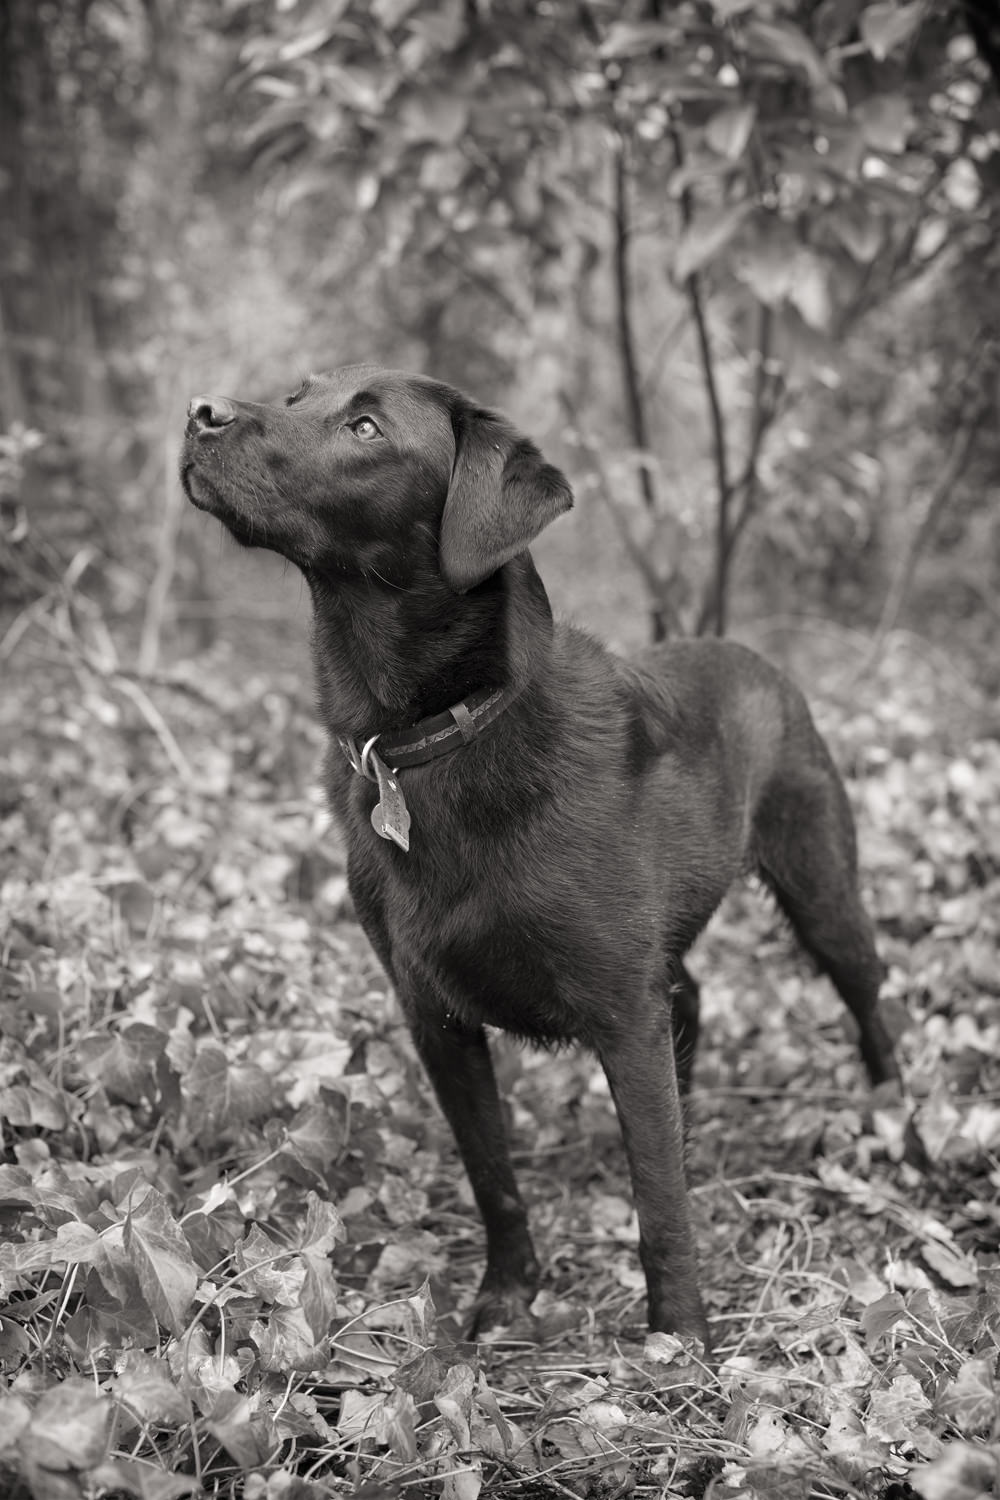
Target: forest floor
(236, 1238)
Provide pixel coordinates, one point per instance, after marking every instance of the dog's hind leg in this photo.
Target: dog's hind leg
(685, 1013)
(638, 1059)
(807, 854)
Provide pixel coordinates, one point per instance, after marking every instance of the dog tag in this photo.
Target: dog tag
(390, 815)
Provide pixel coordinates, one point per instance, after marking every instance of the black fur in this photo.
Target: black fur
(561, 865)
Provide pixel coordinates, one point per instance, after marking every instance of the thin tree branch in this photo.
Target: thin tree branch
(746, 489)
(723, 488)
(634, 404)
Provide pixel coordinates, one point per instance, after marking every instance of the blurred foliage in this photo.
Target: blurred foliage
(731, 262)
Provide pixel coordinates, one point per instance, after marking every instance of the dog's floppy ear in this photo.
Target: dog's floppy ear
(502, 494)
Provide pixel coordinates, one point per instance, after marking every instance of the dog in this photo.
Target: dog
(537, 830)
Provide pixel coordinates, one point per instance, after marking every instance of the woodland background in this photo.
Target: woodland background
(734, 264)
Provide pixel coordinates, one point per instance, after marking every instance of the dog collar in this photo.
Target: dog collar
(440, 734)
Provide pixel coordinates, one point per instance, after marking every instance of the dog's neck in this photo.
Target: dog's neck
(386, 657)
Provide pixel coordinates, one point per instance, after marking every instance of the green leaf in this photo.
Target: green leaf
(895, 1410)
(162, 1260)
(15, 1415)
(858, 228)
(315, 1138)
(809, 292)
(324, 1228)
(706, 237)
(257, 1257)
(390, 13)
(886, 121)
(637, 38)
(286, 1341)
(319, 1295)
(69, 1427)
(972, 1399)
(72, 1243)
(728, 131)
(220, 1094)
(125, 1063)
(105, 1320)
(142, 1480)
(143, 1384)
(247, 1439)
(782, 42)
(17, 1190)
(439, 118)
(964, 1471)
(27, 1105)
(881, 1316)
(307, 42)
(887, 25)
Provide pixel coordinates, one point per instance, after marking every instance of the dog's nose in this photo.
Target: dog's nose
(208, 413)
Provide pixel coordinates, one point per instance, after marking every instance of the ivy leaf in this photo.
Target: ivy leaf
(881, 1317)
(28, 1105)
(17, 1190)
(315, 1138)
(256, 1256)
(894, 1411)
(126, 1063)
(324, 1228)
(246, 1439)
(319, 1295)
(69, 1428)
(887, 25)
(956, 1269)
(72, 1243)
(105, 1320)
(964, 1471)
(15, 1415)
(142, 1480)
(162, 1260)
(286, 1341)
(223, 1094)
(972, 1400)
(143, 1384)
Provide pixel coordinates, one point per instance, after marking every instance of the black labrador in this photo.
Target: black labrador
(537, 830)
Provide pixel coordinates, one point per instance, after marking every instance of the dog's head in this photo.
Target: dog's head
(372, 472)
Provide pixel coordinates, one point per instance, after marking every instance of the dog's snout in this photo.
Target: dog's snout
(209, 413)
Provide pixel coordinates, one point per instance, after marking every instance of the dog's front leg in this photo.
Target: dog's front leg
(639, 1063)
(458, 1063)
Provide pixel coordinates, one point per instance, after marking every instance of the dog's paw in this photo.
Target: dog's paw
(503, 1313)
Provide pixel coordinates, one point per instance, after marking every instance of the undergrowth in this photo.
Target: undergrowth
(237, 1242)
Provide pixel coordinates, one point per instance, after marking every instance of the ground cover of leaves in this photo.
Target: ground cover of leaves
(236, 1240)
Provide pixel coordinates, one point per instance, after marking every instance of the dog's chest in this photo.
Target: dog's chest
(465, 939)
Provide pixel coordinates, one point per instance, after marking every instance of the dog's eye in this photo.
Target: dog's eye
(367, 428)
